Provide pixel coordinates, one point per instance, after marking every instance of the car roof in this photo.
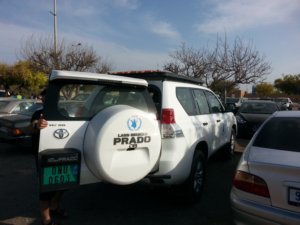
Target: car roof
(258, 101)
(287, 113)
(75, 75)
(158, 75)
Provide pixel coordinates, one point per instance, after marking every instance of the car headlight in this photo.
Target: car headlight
(240, 119)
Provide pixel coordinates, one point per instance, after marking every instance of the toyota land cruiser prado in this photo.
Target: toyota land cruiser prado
(138, 125)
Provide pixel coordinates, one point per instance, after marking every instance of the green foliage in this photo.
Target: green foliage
(264, 89)
(21, 78)
(289, 84)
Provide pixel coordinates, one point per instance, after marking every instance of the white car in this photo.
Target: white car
(266, 186)
(162, 127)
(194, 126)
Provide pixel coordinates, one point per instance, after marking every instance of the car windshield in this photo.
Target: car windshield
(32, 109)
(258, 107)
(280, 133)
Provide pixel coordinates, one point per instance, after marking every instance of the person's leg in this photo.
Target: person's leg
(55, 208)
(45, 211)
(45, 202)
(54, 202)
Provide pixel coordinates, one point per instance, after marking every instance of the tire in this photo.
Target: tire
(122, 144)
(229, 148)
(193, 187)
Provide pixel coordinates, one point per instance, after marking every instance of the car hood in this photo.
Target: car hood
(254, 118)
(15, 118)
(275, 157)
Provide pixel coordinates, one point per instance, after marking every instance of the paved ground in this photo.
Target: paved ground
(241, 144)
(114, 205)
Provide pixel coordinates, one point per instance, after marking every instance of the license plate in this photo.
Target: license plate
(60, 174)
(294, 196)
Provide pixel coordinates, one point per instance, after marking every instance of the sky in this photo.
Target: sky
(141, 34)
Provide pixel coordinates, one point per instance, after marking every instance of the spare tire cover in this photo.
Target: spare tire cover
(122, 144)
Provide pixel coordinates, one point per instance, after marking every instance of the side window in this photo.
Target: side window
(201, 101)
(214, 104)
(185, 97)
(156, 96)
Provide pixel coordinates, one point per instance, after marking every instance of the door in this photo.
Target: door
(216, 118)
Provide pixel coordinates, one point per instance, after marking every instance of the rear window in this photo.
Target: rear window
(83, 101)
(258, 107)
(280, 133)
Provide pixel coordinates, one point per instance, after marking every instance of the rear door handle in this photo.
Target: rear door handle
(205, 124)
(218, 121)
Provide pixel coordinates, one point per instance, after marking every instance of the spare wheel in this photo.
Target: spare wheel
(122, 144)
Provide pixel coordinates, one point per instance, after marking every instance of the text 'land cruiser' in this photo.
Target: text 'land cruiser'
(131, 126)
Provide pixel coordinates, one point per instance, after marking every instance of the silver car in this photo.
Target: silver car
(9, 106)
(266, 185)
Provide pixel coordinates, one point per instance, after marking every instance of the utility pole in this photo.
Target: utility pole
(55, 33)
(55, 36)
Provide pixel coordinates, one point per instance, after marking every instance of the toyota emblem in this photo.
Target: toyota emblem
(61, 133)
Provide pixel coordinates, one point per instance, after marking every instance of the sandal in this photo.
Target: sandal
(59, 213)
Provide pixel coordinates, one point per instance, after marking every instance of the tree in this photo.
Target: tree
(236, 64)
(289, 84)
(20, 78)
(79, 57)
(264, 89)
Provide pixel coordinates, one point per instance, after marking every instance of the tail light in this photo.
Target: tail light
(169, 128)
(16, 132)
(168, 116)
(251, 184)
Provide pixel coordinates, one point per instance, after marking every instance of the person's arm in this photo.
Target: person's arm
(38, 123)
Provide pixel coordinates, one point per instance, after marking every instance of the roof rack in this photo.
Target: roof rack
(158, 75)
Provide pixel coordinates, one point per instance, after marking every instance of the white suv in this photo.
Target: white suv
(157, 126)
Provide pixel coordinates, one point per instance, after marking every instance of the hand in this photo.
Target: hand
(41, 123)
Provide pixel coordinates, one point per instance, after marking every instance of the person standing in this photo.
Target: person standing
(48, 201)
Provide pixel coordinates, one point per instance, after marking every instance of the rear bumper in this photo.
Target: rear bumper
(249, 212)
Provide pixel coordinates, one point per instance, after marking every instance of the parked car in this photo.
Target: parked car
(236, 101)
(2, 93)
(284, 103)
(156, 126)
(12, 105)
(266, 185)
(15, 127)
(252, 114)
